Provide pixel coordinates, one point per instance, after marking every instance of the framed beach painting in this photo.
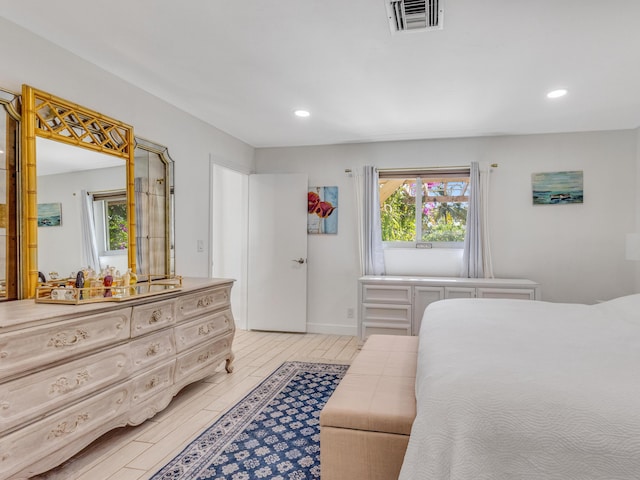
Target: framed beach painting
(49, 214)
(322, 204)
(553, 188)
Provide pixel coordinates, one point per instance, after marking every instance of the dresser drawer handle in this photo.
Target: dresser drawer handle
(154, 348)
(204, 357)
(154, 382)
(156, 316)
(205, 301)
(66, 428)
(206, 329)
(64, 385)
(4, 354)
(4, 405)
(63, 339)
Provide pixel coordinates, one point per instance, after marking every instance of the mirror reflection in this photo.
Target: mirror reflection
(8, 196)
(82, 210)
(153, 186)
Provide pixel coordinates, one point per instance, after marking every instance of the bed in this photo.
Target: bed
(515, 390)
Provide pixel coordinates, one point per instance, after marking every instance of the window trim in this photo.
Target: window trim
(419, 174)
(104, 197)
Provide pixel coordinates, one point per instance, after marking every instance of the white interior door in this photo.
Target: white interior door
(277, 280)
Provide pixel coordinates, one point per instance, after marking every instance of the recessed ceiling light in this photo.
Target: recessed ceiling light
(561, 92)
(301, 113)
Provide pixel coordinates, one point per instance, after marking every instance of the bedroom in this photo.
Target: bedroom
(576, 252)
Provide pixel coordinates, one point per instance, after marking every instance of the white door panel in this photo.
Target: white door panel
(277, 283)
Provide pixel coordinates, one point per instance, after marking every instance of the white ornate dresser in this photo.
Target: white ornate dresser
(70, 373)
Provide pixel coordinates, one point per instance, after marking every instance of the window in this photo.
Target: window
(424, 206)
(111, 213)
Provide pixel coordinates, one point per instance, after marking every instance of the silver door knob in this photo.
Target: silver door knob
(298, 260)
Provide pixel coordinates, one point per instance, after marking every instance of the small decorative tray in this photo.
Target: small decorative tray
(53, 292)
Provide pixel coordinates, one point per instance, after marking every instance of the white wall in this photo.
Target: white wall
(26, 58)
(575, 251)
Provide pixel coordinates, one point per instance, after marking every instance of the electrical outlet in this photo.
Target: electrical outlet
(349, 312)
(200, 246)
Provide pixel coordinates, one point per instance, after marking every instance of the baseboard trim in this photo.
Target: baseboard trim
(332, 329)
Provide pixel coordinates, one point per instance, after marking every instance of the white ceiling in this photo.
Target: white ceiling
(244, 66)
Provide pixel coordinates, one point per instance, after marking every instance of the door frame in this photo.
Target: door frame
(215, 163)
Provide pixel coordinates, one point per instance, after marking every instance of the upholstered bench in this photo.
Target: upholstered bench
(365, 425)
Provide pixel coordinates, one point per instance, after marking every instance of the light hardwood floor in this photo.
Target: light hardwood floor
(136, 453)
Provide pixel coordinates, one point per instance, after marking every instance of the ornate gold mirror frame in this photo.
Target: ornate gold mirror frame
(45, 115)
(9, 152)
(155, 243)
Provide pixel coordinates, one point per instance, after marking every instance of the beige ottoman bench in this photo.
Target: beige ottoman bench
(365, 425)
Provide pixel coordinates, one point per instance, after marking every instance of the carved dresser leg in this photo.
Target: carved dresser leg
(228, 365)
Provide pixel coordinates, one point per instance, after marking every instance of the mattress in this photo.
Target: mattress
(513, 389)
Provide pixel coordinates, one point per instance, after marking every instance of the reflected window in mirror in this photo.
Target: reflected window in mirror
(8, 195)
(111, 227)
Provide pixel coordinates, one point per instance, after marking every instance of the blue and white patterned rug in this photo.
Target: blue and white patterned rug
(272, 433)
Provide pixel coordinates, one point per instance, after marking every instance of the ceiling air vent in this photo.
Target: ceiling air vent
(415, 15)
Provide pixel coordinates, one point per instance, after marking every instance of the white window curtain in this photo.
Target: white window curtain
(89, 243)
(487, 262)
(369, 232)
(472, 263)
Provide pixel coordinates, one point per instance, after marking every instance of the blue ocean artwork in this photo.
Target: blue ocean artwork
(554, 188)
(49, 215)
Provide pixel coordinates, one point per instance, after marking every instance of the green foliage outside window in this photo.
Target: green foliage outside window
(442, 221)
(398, 217)
(117, 223)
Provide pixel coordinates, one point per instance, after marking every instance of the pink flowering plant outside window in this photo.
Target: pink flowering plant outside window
(441, 214)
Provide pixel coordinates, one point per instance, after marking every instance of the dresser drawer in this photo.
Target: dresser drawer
(33, 347)
(196, 304)
(26, 398)
(205, 356)
(383, 329)
(146, 385)
(152, 317)
(33, 442)
(152, 349)
(200, 330)
(400, 314)
(386, 294)
(512, 293)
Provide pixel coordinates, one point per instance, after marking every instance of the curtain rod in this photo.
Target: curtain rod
(348, 170)
(413, 169)
(493, 165)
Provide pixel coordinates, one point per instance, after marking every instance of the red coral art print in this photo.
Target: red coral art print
(322, 203)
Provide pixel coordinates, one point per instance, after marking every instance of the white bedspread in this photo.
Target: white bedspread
(512, 389)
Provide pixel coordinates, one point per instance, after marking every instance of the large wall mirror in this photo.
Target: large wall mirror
(61, 142)
(91, 195)
(82, 204)
(9, 135)
(154, 193)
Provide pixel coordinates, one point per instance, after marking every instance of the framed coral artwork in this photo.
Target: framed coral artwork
(322, 209)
